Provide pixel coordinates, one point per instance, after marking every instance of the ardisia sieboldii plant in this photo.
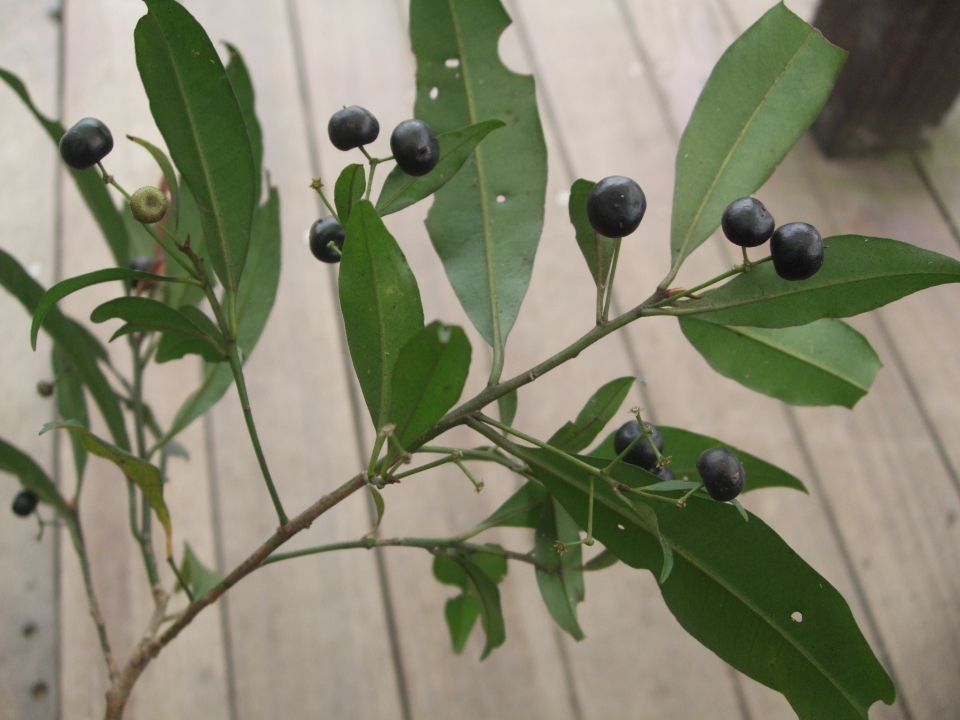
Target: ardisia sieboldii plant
(197, 270)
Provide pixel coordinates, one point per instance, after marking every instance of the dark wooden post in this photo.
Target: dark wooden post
(902, 76)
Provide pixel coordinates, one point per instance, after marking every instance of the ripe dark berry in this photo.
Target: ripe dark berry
(85, 144)
(722, 473)
(797, 251)
(615, 206)
(352, 127)
(415, 147)
(326, 240)
(148, 205)
(642, 454)
(747, 223)
(24, 503)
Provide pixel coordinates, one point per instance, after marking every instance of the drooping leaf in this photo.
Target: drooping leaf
(65, 287)
(401, 190)
(485, 592)
(734, 587)
(71, 402)
(597, 250)
(141, 473)
(507, 407)
(600, 408)
(563, 589)
(381, 306)
(242, 86)
(428, 377)
(477, 575)
(82, 347)
(684, 447)
(196, 110)
(381, 508)
(859, 274)
(89, 182)
(172, 219)
(763, 94)
(198, 577)
(522, 509)
(461, 613)
(485, 223)
(32, 477)
(174, 345)
(824, 363)
(349, 190)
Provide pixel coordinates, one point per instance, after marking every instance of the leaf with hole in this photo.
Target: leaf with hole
(562, 589)
(599, 410)
(348, 190)
(763, 94)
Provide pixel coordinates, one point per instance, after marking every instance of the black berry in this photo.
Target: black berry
(722, 473)
(85, 144)
(326, 240)
(148, 205)
(25, 503)
(352, 127)
(747, 223)
(641, 454)
(797, 251)
(415, 147)
(615, 206)
(141, 263)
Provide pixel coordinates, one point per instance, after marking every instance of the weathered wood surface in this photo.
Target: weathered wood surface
(341, 636)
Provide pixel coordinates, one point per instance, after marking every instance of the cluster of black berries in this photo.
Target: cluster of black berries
(721, 471)
(796, 248)
(415, 148)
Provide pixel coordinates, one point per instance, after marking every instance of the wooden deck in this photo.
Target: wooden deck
(361, 634)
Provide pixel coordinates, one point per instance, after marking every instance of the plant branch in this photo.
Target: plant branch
(736, 270)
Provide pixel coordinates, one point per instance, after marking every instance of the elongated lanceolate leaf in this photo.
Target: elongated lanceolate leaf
(735, 587)
(427, 379)
(71, 402)
(597, 250)
(32, 477)
(522, 509)
(824, 363)
(600, 408)
(197, 112)
(859, 274)
(65, 287)
(684, 447)
(141, 473)
(485, 223)
(89, 182)
(381, 306)
(174, 345)
(349, 190)
(563, 589)
(172, 218)
(82, 347)
(401, 190)
(478, 576)
(763, 94)
(196, 575)
(243, 88)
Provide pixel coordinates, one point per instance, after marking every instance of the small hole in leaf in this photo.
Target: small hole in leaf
(434, 92)
(620, 527)
(797, 617)
(452, 62)
(501, 198)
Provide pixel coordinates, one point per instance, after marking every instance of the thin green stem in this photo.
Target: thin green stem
(424, 468)
(609, 289)
(373, 169)
(374, 454)
(477, 483)
(180, 579)
(682, 502)
(746, 259)
(76, 535)
(736, 270)
(589, 540)
(145, 536)
(318, 186)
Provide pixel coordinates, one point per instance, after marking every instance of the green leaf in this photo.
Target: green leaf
(734, 587)
(563, 589)
(599, 410)
(602, 561)
(507, 407)
(763, 94)
(71, 402)
(349, 190)
(145, 315)
(522, 509)
(684, 447)
(597, 250)
(32, 477)
(427, 379)
(487, 246)
(89, 182)
(401, 190)
(485, 592)
(172, 220)
(141, 473)
(82, 347)
(381, 306)
(242, 86)
(478, 576)
(859, 274)
(197, 112)
(65, 287)
(174, 345)
(824, 363)
(381, 508)
(198, 577)
(461, 613)
(179, 294)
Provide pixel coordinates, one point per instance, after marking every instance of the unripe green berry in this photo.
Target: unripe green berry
(148, 205)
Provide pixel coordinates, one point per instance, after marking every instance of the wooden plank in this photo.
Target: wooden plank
(29, 682)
